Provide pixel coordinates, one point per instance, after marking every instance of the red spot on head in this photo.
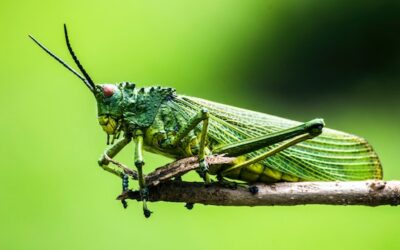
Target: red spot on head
(108, 90)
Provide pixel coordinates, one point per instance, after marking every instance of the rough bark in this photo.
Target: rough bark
(368, 193)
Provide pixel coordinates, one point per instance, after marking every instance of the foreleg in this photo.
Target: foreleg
(113, 151)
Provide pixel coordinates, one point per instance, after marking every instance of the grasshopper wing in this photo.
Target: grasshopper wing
(333, 155)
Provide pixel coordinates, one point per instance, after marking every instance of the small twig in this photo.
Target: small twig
(174, 169)
(181, 167)
(368, 193)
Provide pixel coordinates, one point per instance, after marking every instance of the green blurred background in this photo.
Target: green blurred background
(338, 60)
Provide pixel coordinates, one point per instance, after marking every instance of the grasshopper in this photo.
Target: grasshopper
(268, 148)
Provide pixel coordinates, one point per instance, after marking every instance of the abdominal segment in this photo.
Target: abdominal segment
(257, 172)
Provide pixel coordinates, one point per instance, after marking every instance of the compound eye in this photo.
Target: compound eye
(108, 90)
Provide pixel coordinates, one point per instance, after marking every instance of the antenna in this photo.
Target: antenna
(91, 86)
(88, 80)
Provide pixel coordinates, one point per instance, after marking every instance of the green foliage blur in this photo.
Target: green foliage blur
(338, 60)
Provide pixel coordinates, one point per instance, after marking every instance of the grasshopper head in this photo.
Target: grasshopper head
(109, 99)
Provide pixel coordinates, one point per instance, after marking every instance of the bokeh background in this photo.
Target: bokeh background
(338, 60)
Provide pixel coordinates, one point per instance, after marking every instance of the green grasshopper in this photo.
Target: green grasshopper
(268, 148)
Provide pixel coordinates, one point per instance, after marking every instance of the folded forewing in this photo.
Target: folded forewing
(333, 155)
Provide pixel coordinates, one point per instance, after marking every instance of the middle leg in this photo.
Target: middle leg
(202, 116)
(139, 162)
(203, 164)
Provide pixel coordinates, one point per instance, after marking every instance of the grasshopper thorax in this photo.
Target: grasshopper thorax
(123, 106)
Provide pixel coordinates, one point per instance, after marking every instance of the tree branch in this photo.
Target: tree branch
(161, 188)
(368, 193)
